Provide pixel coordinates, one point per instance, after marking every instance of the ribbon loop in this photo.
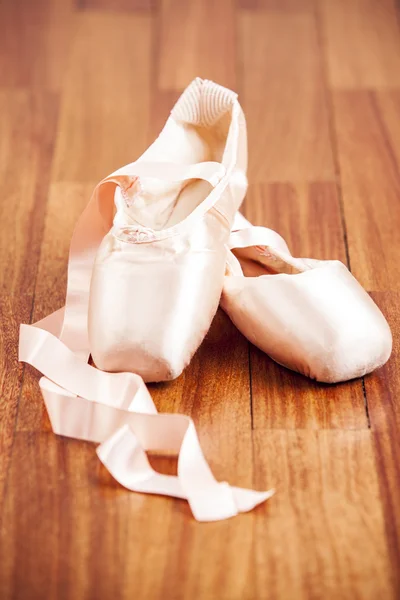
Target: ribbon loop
(116, 409)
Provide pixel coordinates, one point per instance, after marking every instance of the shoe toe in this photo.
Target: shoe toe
(352, 353)
(149, 312)
(151, 365)
(320, 323)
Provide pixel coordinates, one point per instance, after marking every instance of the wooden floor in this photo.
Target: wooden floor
(85, 85)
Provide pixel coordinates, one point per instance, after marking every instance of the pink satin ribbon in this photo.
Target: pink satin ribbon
(116, 409)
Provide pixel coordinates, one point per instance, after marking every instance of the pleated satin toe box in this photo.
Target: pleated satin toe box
(319, 322)
(151, 304)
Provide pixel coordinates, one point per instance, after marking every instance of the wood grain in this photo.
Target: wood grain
(206, 48)
(388, 110)
(13, 311)
(65, 203)
(383, 386)
(309, 535)
(118, 5)
(57, 498)
(383, 393)
(308, 216)
(278, 5)
(283, 399)
(368, 159)
(27, 133)
(161, 106)
(215, 391)
(73, 486)
(362, 43)
(84, 86)
(34, 42)
(387, 453)
(104, 109)
(286, 116)
(322, 536)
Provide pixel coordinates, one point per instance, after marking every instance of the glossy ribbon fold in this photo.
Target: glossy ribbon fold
(116, 409)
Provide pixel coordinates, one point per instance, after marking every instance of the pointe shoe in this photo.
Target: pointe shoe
(153, 283)
(158, 274)
(311, 316)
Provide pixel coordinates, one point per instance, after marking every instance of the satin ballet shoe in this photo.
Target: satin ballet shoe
(153, 283)
(311, 316)
(158, 274)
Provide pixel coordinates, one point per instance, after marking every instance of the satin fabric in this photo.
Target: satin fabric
(152, 304)
(154, 291)
(311, 316)
(116, 409)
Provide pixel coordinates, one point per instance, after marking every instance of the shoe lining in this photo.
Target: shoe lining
(161, 204)
(265, 260)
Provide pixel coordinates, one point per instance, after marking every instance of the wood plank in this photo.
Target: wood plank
(383, 386)
(13, 310)
(161, 106)
(361, 42)
(383, 393)
(279, 5)
(288, 400)
(300, 212)
(307, 539)
(214, 390)
(206, 33)
(34, 42)
(115, 5)
(27, 131)
(61, 503)
(333, 529)
(369, 171)
(104, 108)
(388, 108)
(387, 455)
(322, 535)
(65, 204)
(281, 398)
(86, 525)
(284, 98)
